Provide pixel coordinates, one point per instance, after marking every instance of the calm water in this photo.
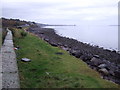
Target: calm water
(103, 36)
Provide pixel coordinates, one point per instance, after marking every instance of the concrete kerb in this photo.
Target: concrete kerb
(10, 76)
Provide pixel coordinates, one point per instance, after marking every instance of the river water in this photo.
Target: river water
(101, 35)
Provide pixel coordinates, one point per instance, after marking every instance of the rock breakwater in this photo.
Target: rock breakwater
(106, 62)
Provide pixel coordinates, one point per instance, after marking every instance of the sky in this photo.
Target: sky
(78, 12)
(63, 11)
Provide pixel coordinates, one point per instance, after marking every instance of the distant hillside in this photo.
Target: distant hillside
(15, 22)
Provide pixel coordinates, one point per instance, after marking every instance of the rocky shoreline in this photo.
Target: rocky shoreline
(106, 62)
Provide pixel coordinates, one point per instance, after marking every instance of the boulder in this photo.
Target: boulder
(65, 48)
(96, 61)
(111, 72)
(72, 51)
(102, 66)
(53, 44)
(65, 45)
(96, 56)
(112, 67)
(60, 44)
(78, 54)
(47, 40)
(41, 33)
(86, 57)
(118, 66)
(104, 71)
(117, 74)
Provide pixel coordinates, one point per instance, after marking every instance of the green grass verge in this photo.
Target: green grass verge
(50, 70)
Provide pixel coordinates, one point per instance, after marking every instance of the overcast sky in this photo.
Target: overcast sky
(62, 11)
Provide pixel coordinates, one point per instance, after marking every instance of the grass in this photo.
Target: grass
(50, 70)
(3, 33)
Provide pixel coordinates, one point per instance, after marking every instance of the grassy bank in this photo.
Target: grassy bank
(51, 67)
(3, 33)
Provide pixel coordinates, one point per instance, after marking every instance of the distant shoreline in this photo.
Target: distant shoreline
(60, 25)
(54, 25)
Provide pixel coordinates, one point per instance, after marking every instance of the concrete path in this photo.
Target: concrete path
(0, 70)
(10, 77)
(0, 59)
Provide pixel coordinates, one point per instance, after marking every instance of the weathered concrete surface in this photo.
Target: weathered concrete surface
(0, 59)
(0, 70)
(10, 77)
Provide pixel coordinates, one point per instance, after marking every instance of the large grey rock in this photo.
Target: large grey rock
(77, 54)
(112, 67)
(86, 57)
(64, 48)
(111, 72)
(53, 44)
(96, 61)
(46, 39)
(96, 56)
(117, 74)
(102, 66)
(104, 71)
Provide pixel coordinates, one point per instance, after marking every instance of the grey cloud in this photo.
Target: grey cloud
(50, 11)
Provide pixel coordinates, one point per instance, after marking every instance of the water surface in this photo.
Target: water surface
(103, 36)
